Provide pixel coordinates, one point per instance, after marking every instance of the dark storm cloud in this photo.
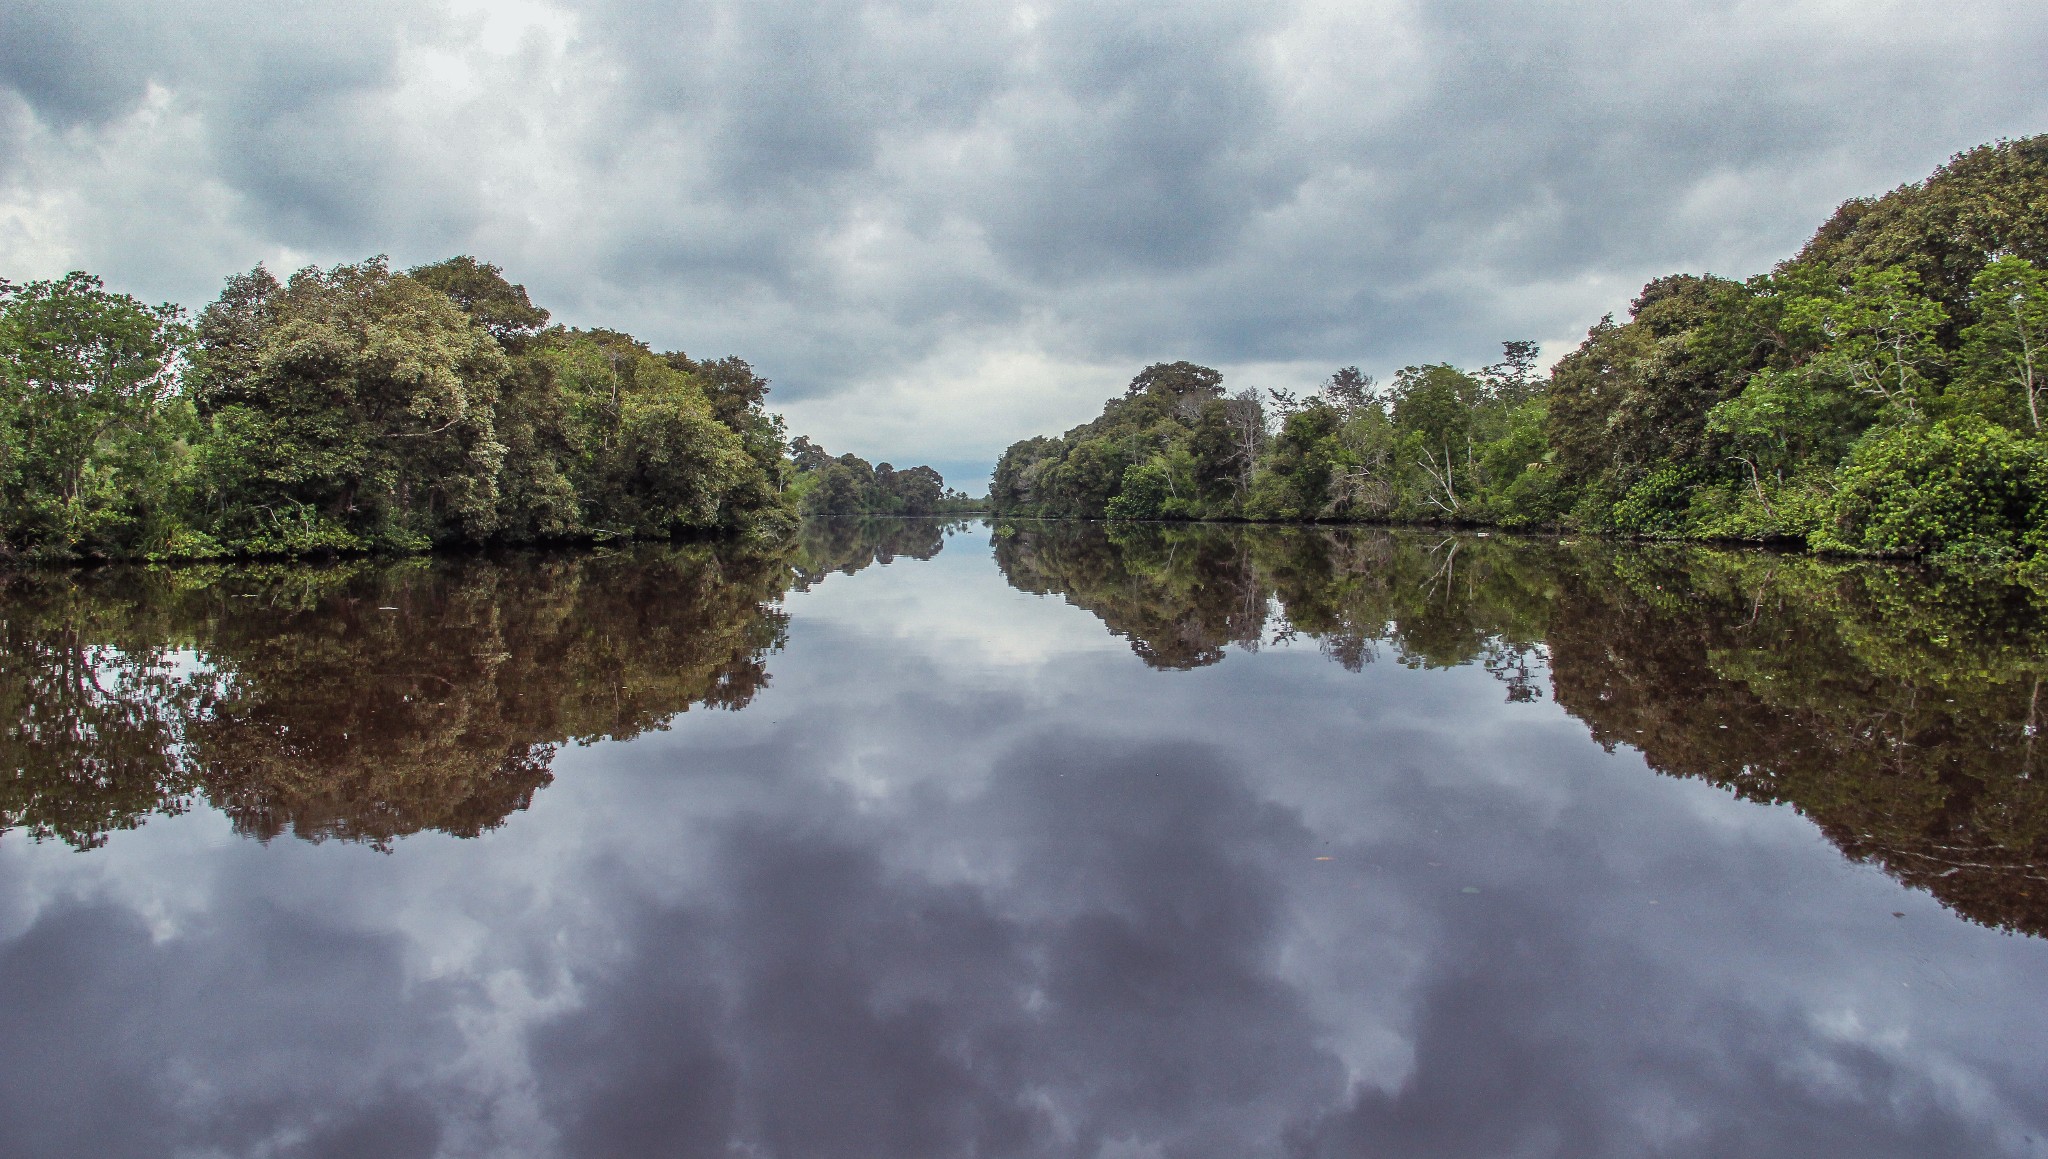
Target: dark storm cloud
(78, 61)
(286, 100)
(71, 63)
(1441, 177)
(858, 192)
(1155, 152)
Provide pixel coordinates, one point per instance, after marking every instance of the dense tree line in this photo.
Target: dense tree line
(1900, 708)
(835, 486)
(1882, 392)
(361, 408)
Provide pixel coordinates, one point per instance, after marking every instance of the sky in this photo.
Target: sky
(940, 227)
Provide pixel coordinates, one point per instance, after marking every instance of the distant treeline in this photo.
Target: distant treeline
(827, 486)
(1880, 393)
(359, 408)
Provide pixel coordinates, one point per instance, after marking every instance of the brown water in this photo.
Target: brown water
(908, 840)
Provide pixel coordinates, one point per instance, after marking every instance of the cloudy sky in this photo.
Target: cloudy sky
(942, 226)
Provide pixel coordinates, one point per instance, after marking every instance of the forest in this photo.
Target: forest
(363, 409)
(847, 485)
(1880, 393)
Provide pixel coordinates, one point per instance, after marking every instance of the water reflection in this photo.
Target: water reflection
(1900, 709)
(1336, 865)
(368, 700)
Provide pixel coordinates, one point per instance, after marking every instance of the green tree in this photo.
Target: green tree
(1513, 379)
(1435, 407)
(646, 452)
(351, 407)
(2006, 352)
(88, 382)
(1636, 396)
(1183, 382)
(1985, 202)
(1224, 448)
(850, 486)
(536, 499)
(492, 302)
(911, 491)
(1881, 334)
(837, 490)
(1174, 410)
(1294, 482)
(355, 408)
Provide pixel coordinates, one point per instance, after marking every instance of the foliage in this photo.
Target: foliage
(92, 428)
(643, 450)
(1186, 450)
(1915, 490)
(827, 487)
(1880, 392)
(360, 408)
(1439, 444)
(2004, 362)
(356, 401)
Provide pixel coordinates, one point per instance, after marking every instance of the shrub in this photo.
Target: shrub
(1143, 494)
(1912, 490)
(1656, 505)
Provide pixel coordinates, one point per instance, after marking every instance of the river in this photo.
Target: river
(921, 839)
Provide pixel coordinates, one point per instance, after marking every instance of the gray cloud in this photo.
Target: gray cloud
(992, 213)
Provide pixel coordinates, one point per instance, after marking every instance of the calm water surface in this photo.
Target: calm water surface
(1044, 841)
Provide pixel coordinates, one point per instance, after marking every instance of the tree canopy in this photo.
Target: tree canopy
(362, 408)
(1880, 392)
(847, 485)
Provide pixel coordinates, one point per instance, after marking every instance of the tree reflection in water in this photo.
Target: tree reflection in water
(1900, 709)
(370, 700)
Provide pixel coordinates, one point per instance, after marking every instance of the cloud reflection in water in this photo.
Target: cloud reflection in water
(916, 901)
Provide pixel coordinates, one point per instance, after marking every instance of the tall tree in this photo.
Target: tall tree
(483, 292)
(2008, 347)
(86, 378)
(351, 407)
(1882, 334)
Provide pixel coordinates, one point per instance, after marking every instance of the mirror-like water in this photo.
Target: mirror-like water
(907, 840)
